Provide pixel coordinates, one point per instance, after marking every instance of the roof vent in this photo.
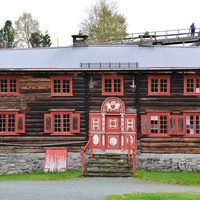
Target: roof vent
(79, 40)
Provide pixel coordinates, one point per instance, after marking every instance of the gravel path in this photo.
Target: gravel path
(82, 188)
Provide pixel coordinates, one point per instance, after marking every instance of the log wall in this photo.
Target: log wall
(175, 102)
(35, 100)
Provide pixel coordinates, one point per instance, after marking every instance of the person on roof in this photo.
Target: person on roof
(192, 29)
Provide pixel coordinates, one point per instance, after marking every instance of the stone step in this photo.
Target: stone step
(107, 174)
(104, 169)
(108, 165)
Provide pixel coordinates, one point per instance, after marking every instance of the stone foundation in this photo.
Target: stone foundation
(32, 162)
(169, 162)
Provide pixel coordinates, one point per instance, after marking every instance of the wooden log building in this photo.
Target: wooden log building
(59, 97)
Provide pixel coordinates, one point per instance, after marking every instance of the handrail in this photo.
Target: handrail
(154, 35)
(132, 146)
(83, 152)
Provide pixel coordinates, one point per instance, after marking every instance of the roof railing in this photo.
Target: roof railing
(110, 65)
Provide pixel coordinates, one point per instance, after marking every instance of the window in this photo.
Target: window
(11, 123)
(113, 85)
(61, 86)
(165, 124)
(192, 124)
(159, 85)
(162, 124)
(191, 85)
(62, 123)
(9, 86)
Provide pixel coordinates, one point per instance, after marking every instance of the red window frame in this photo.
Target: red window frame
(56, 123)
(59, 86)
(192, 124)
(186, 125)
(116, 83)
(158, 85)
(9, 86)
(148, 124)
(192, 85)
(11, 123)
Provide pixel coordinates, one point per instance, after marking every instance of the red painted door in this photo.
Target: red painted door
(113, 132)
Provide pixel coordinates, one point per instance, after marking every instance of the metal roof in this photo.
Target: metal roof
(71, 57)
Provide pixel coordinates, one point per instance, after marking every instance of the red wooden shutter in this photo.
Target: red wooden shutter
(20, 118)
(176, 125)
(145, 125)
(95, 122)
(48, 123)
(75, 123)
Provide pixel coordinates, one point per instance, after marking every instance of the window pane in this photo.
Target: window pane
(163, 85)
(108, 85)
(3, 86)
(57, 86)
(66, 123)
(57, 123)
(154, 124)
(11, 123)
(189, 124)
(197, 124)
(13, 85)
(66, 86)
(197, 85)
(154, 85)
(163, 124)
(2, 123)
(190, 85)
(117, 85)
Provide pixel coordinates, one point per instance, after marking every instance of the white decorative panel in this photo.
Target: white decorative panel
(113, 141)
(95, 139)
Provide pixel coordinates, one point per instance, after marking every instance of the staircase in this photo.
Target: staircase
(108, 165)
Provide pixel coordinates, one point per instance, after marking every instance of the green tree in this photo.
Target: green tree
(103, 21)
(24, 26)
(7, 35)
(37, 39)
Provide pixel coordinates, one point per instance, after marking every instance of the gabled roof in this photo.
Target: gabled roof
(70, 58)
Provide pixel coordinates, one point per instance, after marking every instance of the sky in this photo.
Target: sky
(62, 18)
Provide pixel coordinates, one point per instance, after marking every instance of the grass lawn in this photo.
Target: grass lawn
(180, 178)
(155, 196)
(41, 176)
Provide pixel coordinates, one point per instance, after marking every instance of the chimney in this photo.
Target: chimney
(79, 40)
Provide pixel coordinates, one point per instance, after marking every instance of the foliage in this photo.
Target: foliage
(155, 196)
(7, 35)
(24, 26)
(37, 39)
(103, 21)
(41, 176)
(181, 178)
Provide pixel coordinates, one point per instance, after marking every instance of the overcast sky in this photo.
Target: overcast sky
(62, 17)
